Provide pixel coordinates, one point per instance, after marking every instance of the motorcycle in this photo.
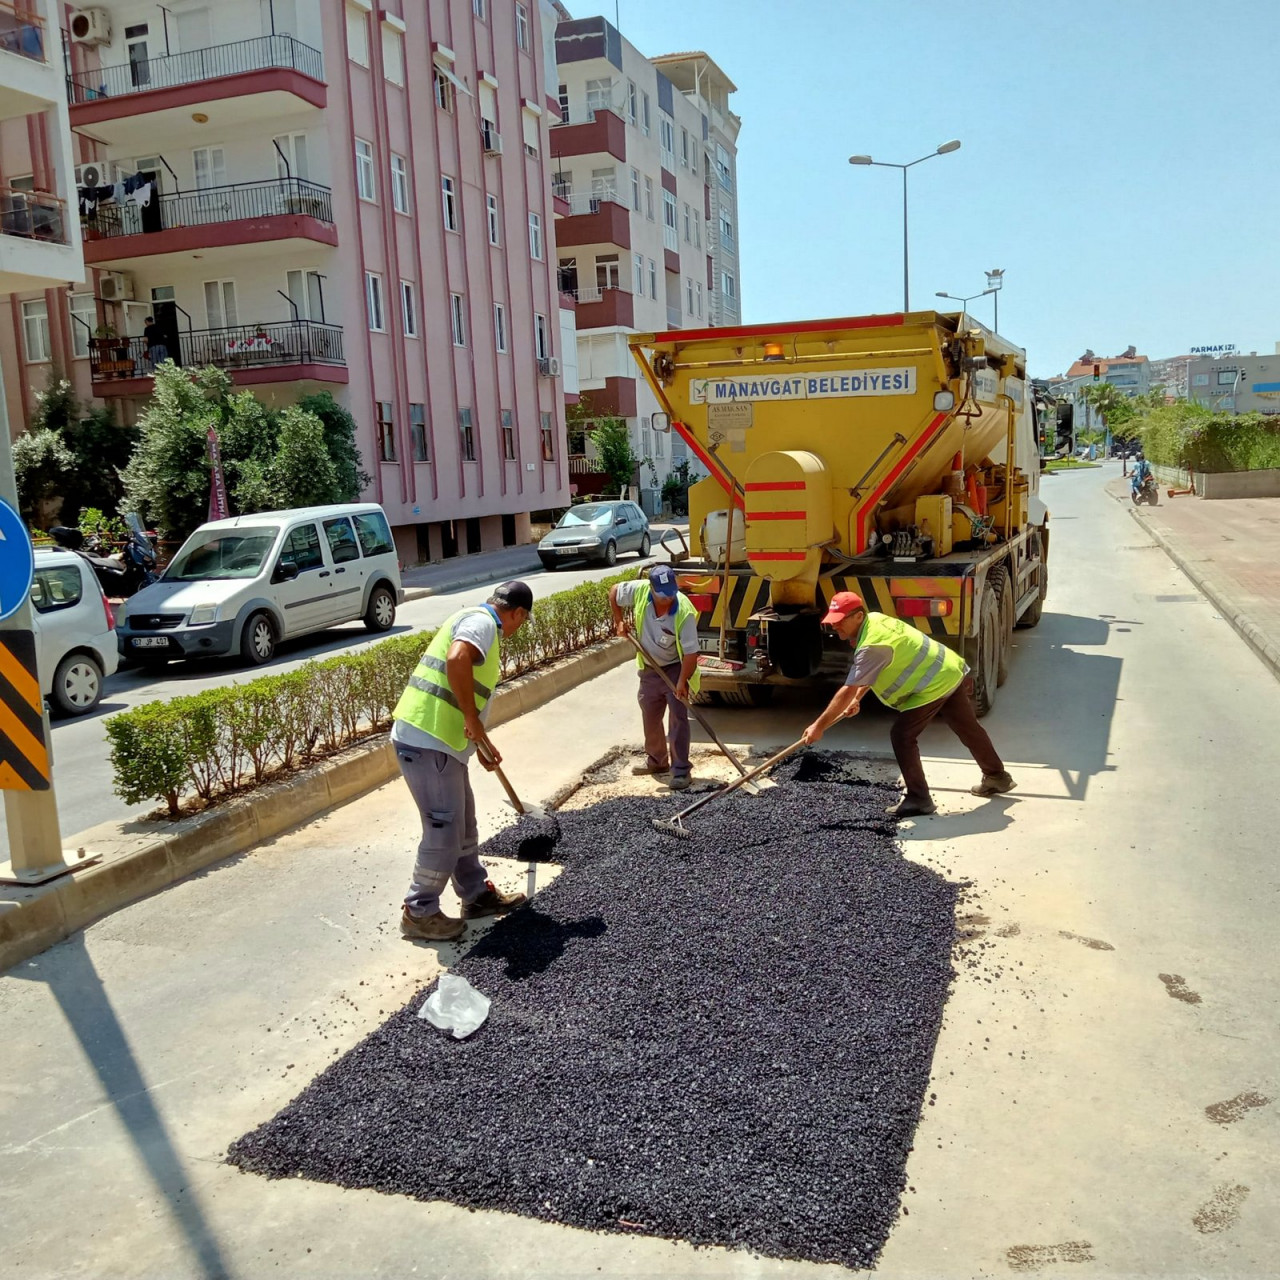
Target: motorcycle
(1145, 490)
(120, 576)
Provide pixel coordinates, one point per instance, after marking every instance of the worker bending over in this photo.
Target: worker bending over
(664, 621)
(917, 677)
(438, 720)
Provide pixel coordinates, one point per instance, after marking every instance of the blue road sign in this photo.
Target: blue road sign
(17, 561)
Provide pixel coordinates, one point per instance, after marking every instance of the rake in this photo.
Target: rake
(675, 826)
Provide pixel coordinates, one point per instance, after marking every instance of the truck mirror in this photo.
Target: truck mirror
(662, 422)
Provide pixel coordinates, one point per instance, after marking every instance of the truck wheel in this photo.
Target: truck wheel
(746, 695)
(1002, 584)
(1031, 614)
(982, 653)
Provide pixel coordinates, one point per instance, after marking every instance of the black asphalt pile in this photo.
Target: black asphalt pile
(725, 1040)
(531, 838)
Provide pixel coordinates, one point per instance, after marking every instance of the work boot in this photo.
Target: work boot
(646, 769)
(993, 784)
(436, 927)
(913, 807)
(680, 784)
(492, 902)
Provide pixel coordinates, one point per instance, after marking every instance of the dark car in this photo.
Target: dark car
(598, 532)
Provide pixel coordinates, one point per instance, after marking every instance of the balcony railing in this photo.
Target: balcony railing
(596, 293)
(21, 33)
(589, 201)
(213, 205)
(233, 347)
(34, 215)
(170, 70)
(674, 316)
(671, 239)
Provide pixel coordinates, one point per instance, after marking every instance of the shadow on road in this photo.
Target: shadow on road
(74, 983)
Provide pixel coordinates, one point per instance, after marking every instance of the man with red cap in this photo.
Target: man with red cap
(917, 677)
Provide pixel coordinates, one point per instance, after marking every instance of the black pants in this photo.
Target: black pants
(958, 714)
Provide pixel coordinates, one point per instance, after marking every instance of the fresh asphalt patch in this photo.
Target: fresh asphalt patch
(724, 1040)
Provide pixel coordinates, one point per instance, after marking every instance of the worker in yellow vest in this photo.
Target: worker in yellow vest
(437, 722)
(665, 622)
(919, 678)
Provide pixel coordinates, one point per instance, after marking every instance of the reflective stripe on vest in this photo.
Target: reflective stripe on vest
(922, 670)
(429, 704)
(684, 609)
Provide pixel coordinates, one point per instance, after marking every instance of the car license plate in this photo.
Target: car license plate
(709, 644)
(151, 642)
(566, 551)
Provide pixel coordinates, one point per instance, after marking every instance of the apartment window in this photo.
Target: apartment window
(698, 298)
(220, 304)
(659, 444)
(637, 283)
(306, 292)
(491, 207)
(522, 27)
(457, 320)
(478, 8)
(688, 294)
(535, 236)
(548, 439)
(357, 35)
(500, 326)
(541, 347)
(729, 285)
(449, 201)
(599, 96)
(631, 101)
(684, 147)
(443, 89)
(670, 221)
(84, 319)
(688, 225)
(646, 440)
(209, 164)
(373, 302)
(35, 331)
(563, 99)
(392, 55)
(653, 279)
(648, 198)
(291, 155)
(508, 436)
(693, 158)
(364, 169)
(467, 435)
(644, 113)
(723, 168)
(409, 308)
(697, 229)
(635, 189)
(399, 184)
(726, 228)
(604, 184)
(418, 432)
(667, 138)
(607, 271)
(386, 432)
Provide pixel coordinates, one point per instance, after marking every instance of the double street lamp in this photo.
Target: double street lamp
(964, 302)
(944, 149)
(995, 282)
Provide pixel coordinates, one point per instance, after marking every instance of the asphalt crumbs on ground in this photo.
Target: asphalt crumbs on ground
(724, 1040)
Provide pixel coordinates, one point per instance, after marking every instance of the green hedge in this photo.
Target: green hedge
(1188, 435)
(212, 744)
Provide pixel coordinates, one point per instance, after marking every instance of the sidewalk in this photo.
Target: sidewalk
(1230, 549)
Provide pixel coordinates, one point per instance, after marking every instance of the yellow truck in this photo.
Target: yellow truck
(892, 455)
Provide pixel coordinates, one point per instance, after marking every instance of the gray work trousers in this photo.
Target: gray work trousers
(441, 788)
(655, 699)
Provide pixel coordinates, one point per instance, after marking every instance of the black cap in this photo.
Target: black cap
(513, 595)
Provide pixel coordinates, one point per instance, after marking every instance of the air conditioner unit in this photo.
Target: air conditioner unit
(89, 175)
(492, 140)
(90, 26)
(115, 286)
(549, 367)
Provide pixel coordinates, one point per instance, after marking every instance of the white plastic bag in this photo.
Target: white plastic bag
(455, 1005)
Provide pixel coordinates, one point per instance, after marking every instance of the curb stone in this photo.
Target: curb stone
(483, 579)
(140, 859)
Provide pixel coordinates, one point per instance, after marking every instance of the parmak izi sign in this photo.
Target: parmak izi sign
(816, 386)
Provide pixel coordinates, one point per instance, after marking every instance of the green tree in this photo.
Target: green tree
(1110, 404)
(340, 440)
(301, 474)
(613, 447)
(44, 469)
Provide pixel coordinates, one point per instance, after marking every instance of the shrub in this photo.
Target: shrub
(1188, 435)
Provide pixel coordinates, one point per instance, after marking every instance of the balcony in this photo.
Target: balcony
(293, 351)
(596, 217)
(35, 247)
(150, 102)
(602, 132)
(675, 318)
(29, 82)
(604, 308)
(21, 33)
(275, 213)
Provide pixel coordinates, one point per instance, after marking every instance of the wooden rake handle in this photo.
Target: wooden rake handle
(737, 782)
(486, 752)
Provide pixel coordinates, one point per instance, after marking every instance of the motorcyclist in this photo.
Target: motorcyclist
(1141, 471)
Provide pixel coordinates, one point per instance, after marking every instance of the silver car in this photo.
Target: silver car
(597, 532)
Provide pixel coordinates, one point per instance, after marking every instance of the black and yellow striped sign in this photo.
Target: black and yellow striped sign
(24, 754)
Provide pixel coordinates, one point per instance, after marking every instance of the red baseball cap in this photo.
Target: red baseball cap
(843, 603)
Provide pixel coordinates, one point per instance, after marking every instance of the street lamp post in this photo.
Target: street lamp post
(995, 282)
(944, 149)
(964, 302)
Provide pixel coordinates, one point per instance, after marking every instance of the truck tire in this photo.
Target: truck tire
(1031, 614)
(1002, 584)
(982, 653)
(746, 695)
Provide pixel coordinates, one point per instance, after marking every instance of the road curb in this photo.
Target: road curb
(474, 580)
(141, 859)
(1231, 609)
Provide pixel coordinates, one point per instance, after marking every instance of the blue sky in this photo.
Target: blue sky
(1119, 161)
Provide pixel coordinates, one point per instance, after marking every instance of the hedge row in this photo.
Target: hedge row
(210, 745)
(1187, 435)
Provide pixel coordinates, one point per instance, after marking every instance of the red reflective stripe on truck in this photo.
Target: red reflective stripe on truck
(775, 486)
(775, 515)
(778, 555)
(860, 528)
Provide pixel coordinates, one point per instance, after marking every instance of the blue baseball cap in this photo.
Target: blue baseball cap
(662, 578)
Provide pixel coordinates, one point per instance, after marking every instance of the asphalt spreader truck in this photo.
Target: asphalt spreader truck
(892, 455)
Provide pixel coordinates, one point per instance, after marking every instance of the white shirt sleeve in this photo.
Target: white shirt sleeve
(626, 594)
(479, 630)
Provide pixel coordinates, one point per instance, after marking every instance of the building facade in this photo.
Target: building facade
(645, 176)
(1236, 383)
(329, 195)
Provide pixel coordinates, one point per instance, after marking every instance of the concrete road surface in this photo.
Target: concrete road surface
(1104, 1086)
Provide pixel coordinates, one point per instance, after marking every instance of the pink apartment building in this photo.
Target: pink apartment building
(323, 194)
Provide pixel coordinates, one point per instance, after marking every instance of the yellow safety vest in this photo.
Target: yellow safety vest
(684, 609)
(428, 703)
(923, 669)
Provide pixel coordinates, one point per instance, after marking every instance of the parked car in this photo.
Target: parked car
(243, 585)
(598, 532)
(74, 630)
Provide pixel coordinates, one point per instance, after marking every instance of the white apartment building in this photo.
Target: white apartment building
(645, 176)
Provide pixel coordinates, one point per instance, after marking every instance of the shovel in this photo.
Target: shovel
(675, 826)
(489, 757)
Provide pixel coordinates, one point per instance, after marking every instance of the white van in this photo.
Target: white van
(243, 585)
